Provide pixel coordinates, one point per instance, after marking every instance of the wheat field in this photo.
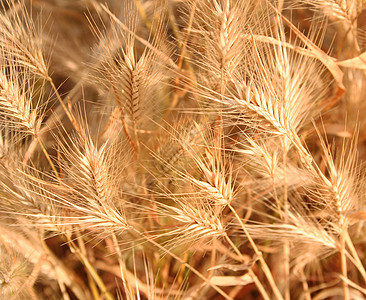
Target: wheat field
(182, 149)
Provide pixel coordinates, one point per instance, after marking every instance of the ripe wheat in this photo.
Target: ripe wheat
(200, 149)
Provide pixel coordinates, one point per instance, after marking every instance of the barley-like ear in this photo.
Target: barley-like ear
(129, 72)
(196, 201)
(27, 195)
(91, 183)
(170, 155)
(290, 96)
(303, 229)
(194, 221)
(20, 41)
(338, 187)
(20, 108)
(219, 26)
(198, 149)
(261, 158)
(215, 166)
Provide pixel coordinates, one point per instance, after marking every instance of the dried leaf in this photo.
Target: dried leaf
(231, 280)
(241, 267)
(358, 62)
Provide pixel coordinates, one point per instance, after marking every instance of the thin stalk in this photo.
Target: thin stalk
(346, 294)
(305, 285)
(252, 274)
(143, 14)
(286, 246)
(264, 265)
(96, 277)
(92, 271)
(62, 273)
(37, 138)
(213, 257)
(93, 287)
(188, 266)
(122, 266)
(63, 289)
(47, 156)
(259, 285)
(180, 61)
(63, 105)
(355, 256)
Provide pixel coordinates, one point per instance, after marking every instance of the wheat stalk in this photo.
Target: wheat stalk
(181, 150)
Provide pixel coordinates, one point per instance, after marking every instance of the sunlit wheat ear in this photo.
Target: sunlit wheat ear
(194, 221)
(195, 210)
(263, 154)
(292, 94)
(277, 88)
(169, 150)
(262, 160)
(302, 228)
(19, 106)
(90, 184)
(193, 148)
(219, 27)
(215, 167)
(130, 70)
(338, 188)
(27, 194)
(20, 40)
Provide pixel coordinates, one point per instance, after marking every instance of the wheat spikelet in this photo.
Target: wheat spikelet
(195, 222)
(19, 39)
(190, 164)
(342, 184)
(219, 25)
(132, 78)
(16, 93)
(90, 183)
